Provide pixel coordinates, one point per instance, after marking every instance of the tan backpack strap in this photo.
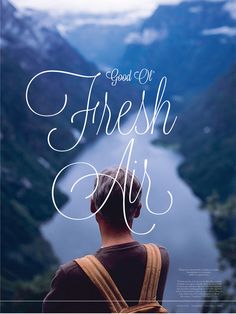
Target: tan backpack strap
(152, 274)
(103, 281)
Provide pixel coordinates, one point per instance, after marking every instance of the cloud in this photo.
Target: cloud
(135, 8)
(146, 37)
(223, 30)
(110, 19)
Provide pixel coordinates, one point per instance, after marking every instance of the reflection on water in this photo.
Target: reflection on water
(184, 230)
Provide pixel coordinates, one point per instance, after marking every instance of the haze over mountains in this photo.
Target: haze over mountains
(176, 41)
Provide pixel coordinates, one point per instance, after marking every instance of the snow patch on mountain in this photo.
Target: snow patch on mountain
(43, 162)
(76, 133)
(195, 9)
(230, 6)
(3, 42)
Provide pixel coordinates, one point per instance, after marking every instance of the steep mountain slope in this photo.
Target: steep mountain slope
(191, 43)
(207, 137)
(28, 164)
(28, 167)
(206, 134)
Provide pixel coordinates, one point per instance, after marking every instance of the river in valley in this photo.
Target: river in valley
(184, 230)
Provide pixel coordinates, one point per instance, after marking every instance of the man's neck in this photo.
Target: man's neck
(110, 238)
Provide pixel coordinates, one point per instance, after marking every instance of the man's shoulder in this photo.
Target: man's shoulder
(164, 251)
(71, 269)
(164, 255)
(162, 248)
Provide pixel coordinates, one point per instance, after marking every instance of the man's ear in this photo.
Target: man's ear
(92, 206)
(137, 212)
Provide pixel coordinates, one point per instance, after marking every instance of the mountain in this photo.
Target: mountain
(28, 46)
(28, 166)
(191, 43)
(194, 45)
(206, 133)
(206, 137)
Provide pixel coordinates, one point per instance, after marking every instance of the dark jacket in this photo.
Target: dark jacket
(72, 290)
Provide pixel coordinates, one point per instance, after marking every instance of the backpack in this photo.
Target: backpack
(103, 281)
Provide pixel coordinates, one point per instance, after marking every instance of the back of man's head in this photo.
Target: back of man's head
(112, 210)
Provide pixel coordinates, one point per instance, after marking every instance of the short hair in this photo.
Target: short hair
(112, 210)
